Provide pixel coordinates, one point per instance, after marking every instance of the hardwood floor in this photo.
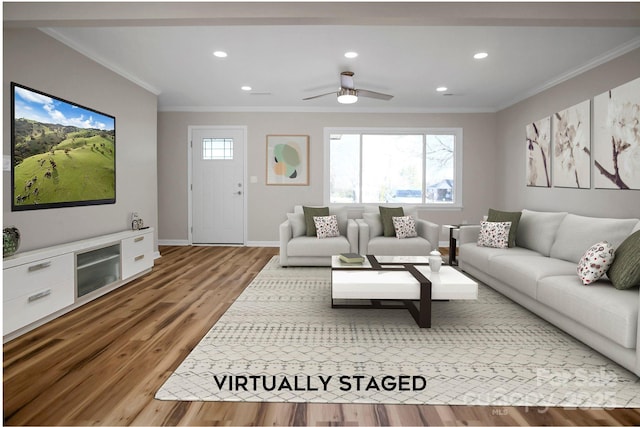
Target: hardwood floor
(103, 363)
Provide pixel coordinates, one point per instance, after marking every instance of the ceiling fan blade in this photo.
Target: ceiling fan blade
(371, 94)
(318, 96)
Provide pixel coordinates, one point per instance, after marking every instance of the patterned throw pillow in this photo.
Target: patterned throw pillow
(326, 226)
(494, 234)
(405, 226)
(595, 262)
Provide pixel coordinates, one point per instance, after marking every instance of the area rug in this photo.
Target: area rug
(281, 341)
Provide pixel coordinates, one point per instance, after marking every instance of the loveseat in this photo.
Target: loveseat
(540, 273)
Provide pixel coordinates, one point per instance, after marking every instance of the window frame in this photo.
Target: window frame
(458, 184)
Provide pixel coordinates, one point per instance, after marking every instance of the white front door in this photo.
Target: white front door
(217, 199)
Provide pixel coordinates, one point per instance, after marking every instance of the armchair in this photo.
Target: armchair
(298, 249)
(372, 240)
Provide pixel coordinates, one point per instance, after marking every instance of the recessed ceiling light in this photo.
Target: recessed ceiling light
(351, 55)
(246, 88)
(441, 88)
(480, 55)
(220, 54)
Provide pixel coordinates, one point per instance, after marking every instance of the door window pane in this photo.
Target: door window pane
(217, 149)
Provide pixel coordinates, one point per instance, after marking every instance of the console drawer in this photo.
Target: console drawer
(137, 254)
(33, 291)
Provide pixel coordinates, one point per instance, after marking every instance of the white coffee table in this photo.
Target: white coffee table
(404, 279)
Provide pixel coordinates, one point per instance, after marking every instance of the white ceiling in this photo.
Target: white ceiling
(284, 61)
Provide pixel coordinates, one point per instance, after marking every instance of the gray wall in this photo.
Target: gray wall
(511, 122)
(268, 205)
(36, 60)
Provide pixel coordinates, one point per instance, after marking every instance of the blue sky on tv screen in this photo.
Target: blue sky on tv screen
(45, 109)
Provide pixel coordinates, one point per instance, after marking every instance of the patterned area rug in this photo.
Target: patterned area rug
(281, 341)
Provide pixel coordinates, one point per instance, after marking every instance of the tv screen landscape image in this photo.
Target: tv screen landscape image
(62, 154)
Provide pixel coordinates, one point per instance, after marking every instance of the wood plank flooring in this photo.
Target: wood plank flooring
(103, 363)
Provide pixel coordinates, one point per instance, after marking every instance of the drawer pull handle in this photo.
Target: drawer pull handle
(138, 258)
(40, 295)
(39, 266)
(138, 239)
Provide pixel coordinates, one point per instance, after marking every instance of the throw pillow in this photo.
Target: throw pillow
(625, 270)
(405, 226)
(298, 226)
(326, 226)
(386, 214)
(595, 262)
(512, 217)
(309, 213)
(494, 234)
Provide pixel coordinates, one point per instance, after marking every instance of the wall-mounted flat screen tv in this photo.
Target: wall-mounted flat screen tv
(62, 154)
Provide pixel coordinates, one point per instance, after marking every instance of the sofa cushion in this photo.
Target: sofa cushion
(386, 246)
(494, 234)
(298, 226)
(326, 226)
(309, 213)
(478, 256)
(512, 217)
(578, 233)
(523, 272)
(405, 227)
(599, 306)
(625, 270)
(312, 246)
(537, 230)
(386, 214)
(595, 262)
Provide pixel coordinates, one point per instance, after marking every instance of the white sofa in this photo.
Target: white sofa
(298, 249)
(372, 240)
(540, 274)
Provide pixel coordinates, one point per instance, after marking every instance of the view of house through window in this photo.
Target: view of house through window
(394, 167)
(217, 149)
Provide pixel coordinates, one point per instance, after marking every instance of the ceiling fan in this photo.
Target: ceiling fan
(348, 94)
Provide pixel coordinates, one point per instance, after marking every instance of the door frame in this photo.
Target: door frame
(190, 130)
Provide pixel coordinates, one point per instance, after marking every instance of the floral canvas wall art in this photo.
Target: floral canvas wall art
(538, 141)
(616, 145)
(571, 140)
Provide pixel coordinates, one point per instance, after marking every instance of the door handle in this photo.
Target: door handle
(239, 193)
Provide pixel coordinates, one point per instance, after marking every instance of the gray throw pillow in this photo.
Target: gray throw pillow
(512, 217)
(625, 270)
(387, 214)
(309, 213)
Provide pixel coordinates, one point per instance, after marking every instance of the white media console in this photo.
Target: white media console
(40, 285)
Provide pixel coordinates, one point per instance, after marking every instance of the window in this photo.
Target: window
(217, 149)
(395, 166)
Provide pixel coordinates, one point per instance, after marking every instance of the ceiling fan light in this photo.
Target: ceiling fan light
(347, 96)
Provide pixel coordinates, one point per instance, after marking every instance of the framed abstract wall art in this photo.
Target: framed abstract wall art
(571, 142)
(287, 160)
(538, 142)
(616, 137)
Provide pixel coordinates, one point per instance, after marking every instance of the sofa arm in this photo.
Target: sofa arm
(352, 235)
(363, 236)
(429, 231)
(468, 234)
(286, 234)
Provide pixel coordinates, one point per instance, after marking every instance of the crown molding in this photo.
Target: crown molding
(337, 109)
(624, 48)
(73, 45)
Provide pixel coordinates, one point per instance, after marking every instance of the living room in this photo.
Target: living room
(152, 166)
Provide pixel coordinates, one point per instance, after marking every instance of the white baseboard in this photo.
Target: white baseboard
(169, 242)
(264, 244)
